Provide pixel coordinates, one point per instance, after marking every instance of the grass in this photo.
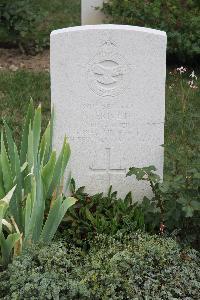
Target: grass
(182, 123)
(182, 106)
(16, 89)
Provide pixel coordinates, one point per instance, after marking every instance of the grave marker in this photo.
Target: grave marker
(108, 90)
(89, 14)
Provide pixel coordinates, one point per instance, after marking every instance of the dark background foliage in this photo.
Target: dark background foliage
(179, 18)
(27, 24)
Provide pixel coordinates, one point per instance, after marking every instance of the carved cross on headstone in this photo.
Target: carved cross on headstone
(108, 170)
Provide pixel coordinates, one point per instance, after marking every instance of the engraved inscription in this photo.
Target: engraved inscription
(107, 71)
(108, 170)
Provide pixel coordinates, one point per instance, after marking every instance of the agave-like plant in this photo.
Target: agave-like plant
(13, 238)
(28, 178)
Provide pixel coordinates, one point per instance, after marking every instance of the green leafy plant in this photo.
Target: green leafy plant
(27, 24)
(123, 266)
(176, 201)
(7, 244)
(155, 206)
(100, 214)
(19, 18)
(37, 205)
(180, 19)
(182, 153)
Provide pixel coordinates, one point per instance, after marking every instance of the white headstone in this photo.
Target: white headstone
(108, 90)
(89, 14)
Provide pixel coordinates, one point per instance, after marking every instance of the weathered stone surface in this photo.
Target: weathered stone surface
(108, 90)
(89, 14)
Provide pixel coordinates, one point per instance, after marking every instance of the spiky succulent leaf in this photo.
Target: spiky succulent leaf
(48, 171)
(56, 214)
(6, 168)
(24, 142)
(2, 190)
(11, 144)
(59, 168)
(7, 245)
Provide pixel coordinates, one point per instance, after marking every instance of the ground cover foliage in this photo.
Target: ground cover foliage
(122, 266)
(101, 250)
(99, 214)
(180, 20)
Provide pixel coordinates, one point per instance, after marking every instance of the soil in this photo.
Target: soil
(13, 59)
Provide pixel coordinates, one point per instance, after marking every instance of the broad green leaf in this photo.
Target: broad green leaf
(7, 225)
(16, 206)
(27, 125)
(36, 132)
(145, 173)
(11, 144)
(59, 169)
(47, 172)
(45, 146)
(66, 156)
(90, 217)
(6, 168)
(30, 155)
(27, 183)
(4, 204)
(30, 222)
(67, 184)
(52, 220)
(189, 211)
(27, 217)
(37, 214)
(3, 208)
(7, 246)
(149, 169)
(2, 191)
(8, 196)
(56, 214)
(51, 130)
(195, 204)
(23, 167)
(46, 142)
(139, 173)
(182, 200)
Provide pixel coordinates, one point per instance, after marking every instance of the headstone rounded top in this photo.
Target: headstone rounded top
(109, 27)
(108, 91)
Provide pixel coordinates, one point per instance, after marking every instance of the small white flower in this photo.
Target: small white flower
(193, 75)
(181, 70)
(190, 82)
(192, 85)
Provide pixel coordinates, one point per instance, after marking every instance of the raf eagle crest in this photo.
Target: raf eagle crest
(107, 75)
(107, 71)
